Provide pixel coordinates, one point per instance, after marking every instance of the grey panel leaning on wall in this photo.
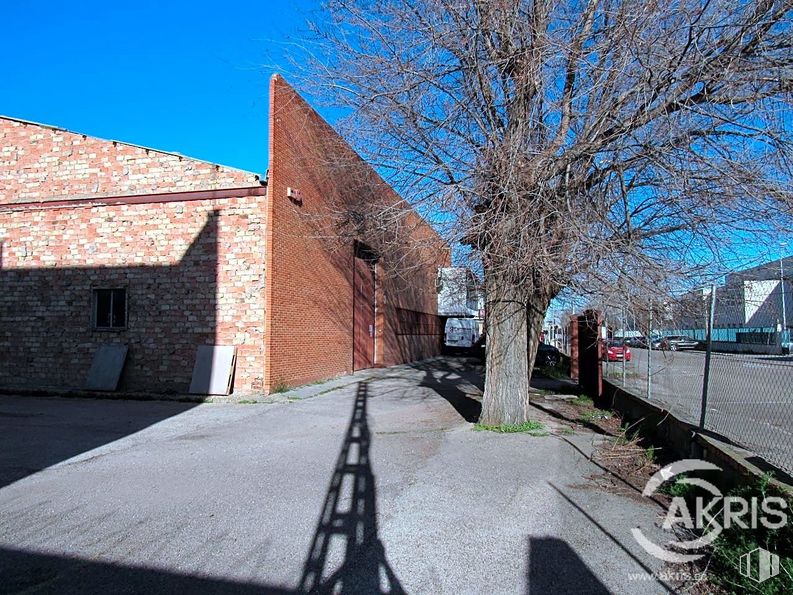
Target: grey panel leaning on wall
(106, 368)
(213, 371)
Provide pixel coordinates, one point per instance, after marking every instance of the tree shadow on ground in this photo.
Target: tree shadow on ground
(555, 567)
(453, 380)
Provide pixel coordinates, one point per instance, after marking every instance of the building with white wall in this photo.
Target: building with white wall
(460, 293)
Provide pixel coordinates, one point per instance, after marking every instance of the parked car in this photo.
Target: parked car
(656, 343)
(462, 332)
(638, 342)
(547, 355)
(677, 342)
(617, 351)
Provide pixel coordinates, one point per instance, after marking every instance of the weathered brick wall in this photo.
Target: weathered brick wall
(194, 272)
(195, 269)
(45, 163)
(309, 303)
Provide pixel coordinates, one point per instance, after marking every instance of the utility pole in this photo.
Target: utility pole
(624, 346)
(782, 288)
(650, 353)
(709, 349)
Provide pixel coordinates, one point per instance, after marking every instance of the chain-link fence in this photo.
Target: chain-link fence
(718, 357)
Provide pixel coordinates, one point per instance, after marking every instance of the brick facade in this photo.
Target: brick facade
(205, 256)
(309, 303)
(194, 274)
(46, 163)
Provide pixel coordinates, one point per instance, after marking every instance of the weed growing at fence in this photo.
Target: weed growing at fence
(594, 415)
(583, 401)
(678, 488)
(629, 434)
(735, 542)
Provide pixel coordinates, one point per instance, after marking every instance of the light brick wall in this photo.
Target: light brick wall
(194, 272)
(195, 269)
(309, 304)
(45, 163)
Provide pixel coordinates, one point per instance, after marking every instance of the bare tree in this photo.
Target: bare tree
(563, 139)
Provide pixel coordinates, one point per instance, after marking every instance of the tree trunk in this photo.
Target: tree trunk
(506, 397)
(514, 323)
(535, 316)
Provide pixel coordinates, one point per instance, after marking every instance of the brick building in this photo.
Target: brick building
(106, 242)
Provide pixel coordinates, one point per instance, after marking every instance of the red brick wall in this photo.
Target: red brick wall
(308, 304)
(425, 254)
(195, 269)
(194, 272)
(45, 163)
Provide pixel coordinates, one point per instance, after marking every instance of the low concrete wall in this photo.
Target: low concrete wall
(652, 420)
(683, 440)
(730, 347)
(680, 439)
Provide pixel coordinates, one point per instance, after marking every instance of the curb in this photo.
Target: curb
(299, 393)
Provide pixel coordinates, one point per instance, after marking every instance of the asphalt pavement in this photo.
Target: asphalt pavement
(380, 485)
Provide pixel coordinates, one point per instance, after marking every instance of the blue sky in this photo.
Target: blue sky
(189, 77)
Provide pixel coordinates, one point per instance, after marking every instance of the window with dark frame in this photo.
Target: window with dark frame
(411, 322)
(110, 309)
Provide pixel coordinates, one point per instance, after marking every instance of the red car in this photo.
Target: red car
(617, 351)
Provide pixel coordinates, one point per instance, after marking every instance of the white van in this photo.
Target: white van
(462, 332)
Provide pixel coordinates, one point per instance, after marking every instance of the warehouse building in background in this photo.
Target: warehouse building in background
(753, 310)
(107, 243)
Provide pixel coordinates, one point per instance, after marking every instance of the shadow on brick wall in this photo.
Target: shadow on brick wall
(47, 334)
(47, 341)
(324, 198)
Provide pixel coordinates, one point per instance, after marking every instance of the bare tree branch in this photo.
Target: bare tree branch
(572, 144)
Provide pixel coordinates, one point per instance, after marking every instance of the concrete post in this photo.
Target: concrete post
(572, 337)
(590, 347)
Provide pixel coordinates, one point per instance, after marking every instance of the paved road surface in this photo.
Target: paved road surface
(750, 397)
(379, 486)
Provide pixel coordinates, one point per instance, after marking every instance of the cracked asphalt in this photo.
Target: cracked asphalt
(380, 485)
